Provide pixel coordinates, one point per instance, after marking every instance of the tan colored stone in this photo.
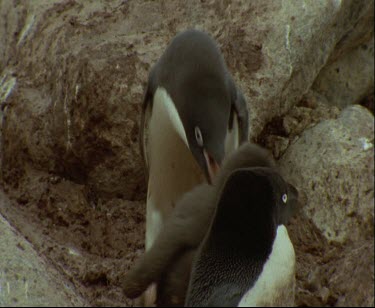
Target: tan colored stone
(333, 162)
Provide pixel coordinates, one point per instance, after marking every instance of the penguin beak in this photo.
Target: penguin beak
(212, 167)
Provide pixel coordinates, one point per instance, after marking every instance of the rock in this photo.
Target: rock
(296, 42)
(25, 279)
(75, 106)
(333, 163)
(278, 145)
(282, 131)
(343, 83)
(358, 34)
(79, 69)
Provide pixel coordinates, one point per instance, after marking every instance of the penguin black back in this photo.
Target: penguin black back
(241, 237)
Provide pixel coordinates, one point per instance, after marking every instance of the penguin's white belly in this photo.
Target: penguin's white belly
(275, 286)
(172, 167)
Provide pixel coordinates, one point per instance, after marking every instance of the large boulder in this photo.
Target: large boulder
(333, 163)
(348, 75)
(285, 45)
(72, 98)
(342, 82)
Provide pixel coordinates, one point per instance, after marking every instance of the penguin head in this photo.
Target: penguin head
(257, 194)
(208, 154)
(193, 72)
(206, 128)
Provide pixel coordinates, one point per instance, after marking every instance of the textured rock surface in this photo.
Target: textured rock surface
(75, 73)
(333, 162)
(280, 132)
(72, 75)
(356, 282)
(25, 279)
(76, 96)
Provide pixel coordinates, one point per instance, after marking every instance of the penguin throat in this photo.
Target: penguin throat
(166, 105)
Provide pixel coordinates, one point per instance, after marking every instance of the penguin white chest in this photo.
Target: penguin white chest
(275, 286)
(172, 168)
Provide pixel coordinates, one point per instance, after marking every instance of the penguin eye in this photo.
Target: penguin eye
(284, 198)
(198, 136)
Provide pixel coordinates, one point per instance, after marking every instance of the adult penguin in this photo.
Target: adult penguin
(193, 114)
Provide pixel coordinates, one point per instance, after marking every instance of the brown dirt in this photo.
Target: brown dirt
(91, 244)
(94, 244)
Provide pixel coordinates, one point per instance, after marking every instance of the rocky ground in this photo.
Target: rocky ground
(72, 75)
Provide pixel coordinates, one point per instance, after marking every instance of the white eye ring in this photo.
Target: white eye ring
(284, 198)
(198, 136)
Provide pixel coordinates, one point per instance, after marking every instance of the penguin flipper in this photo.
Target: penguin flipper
(240, 106)
(145, 117)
